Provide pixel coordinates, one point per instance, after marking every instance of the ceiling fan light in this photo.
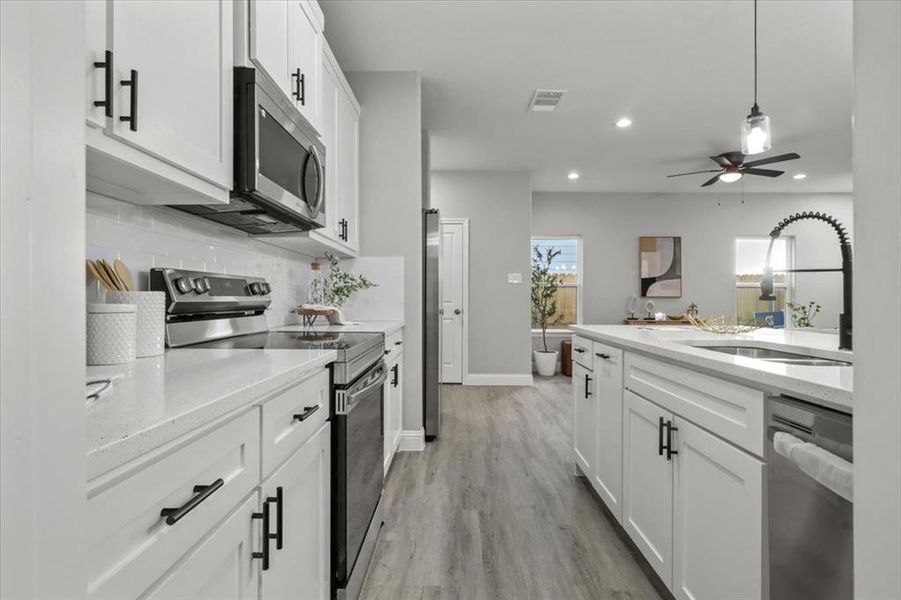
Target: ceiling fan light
(730, 176)
(755, 133)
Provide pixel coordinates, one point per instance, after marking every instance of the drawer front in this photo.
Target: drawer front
(130, 545)
(290, 418)
(729, 410)
(582, 351)
(394, 342)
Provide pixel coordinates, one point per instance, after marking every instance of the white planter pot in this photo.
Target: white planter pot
(546, 362)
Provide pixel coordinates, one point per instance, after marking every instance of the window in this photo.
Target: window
(750, 260)
(568, 264)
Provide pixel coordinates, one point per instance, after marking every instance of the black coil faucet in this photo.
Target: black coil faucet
(766, 284)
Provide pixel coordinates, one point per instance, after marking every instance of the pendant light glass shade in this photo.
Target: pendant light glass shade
(730, 176)
(755, 133)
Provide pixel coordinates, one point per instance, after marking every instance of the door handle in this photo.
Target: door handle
(132, 83)
(263, 554)
(201, 493)
(587, 388)
(669, 440)
(395, 370)
(458, 311)
(278, 499)
(107, 65)
(299, 92)
(660, 437)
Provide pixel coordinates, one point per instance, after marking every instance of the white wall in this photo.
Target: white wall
(155, 236)
(42, 306)
(385, 302)
(877, 301)
(610, 225)
(391, 201)
(498, 207)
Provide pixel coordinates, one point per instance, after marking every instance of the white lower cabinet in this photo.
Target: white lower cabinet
(717, 518)
(585, 420)
(221, 567)
(298, 497)
(608, 393)
(647, 484)
(392, 417)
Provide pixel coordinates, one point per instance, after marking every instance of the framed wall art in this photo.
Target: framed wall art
(660, 266)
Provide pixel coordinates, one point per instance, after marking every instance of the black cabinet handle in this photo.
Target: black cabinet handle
(299, 92)
(395, 370)
(307, 411)
(602, 355)
(387, 352)
(278, 499)
(398, 343)
(660, 437)
(579, 350)
(201, 493)
(264, 553)
(132, 83)
(343, 234)
(669, 440)
(587, 389)
(107, 101)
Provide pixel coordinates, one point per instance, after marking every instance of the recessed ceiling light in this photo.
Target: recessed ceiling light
(573, 175)
(730, 177)
(624, 122)
(799, 176)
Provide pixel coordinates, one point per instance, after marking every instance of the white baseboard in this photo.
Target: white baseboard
(497, 379)
(412, 440)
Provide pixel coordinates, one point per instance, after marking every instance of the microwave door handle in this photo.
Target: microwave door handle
(314, 158)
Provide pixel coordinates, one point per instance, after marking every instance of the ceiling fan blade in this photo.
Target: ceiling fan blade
(710, 181)
(722, 161)
(696, 172)
(773, 159)
(764, 172)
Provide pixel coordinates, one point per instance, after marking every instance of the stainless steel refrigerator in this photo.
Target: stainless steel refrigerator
(431, 386)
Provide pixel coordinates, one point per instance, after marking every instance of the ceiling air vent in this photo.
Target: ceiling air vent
(545, 100)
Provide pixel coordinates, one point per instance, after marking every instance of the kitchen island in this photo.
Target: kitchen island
(675, 437)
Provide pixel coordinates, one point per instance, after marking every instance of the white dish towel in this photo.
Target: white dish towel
(833, 472)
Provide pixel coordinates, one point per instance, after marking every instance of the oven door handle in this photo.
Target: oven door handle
(350, 400)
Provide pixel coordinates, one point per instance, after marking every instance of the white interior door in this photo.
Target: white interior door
(451, 277)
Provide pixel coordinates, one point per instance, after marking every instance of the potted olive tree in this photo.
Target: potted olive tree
(544, 305)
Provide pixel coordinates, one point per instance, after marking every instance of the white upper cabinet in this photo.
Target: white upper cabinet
(305, 57)
(348, 168)
(717, 517)
(159, 106)
(286, 41)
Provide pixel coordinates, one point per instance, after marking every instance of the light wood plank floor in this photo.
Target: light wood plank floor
(492, 510)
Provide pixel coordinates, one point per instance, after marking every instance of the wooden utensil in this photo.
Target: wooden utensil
(98, 273)
(124, 275)
(111, 275)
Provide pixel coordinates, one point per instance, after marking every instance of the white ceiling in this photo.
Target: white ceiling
(682, 70)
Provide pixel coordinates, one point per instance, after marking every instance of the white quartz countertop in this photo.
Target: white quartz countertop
(156, 400)
(829, 386)
(386, 327)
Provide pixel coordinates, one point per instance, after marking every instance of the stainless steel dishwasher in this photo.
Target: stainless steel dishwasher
(810, 525)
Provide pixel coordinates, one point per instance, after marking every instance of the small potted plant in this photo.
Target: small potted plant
(803, 314)
(544, 305)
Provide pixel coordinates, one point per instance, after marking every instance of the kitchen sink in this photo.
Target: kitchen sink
(777, 356)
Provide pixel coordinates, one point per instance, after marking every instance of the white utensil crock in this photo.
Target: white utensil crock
(151, 319)
(110, 334)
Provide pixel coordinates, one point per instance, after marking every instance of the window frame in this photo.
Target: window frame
(788, 286)
(578, 284)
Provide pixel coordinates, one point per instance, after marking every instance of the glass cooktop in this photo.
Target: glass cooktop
(297, 340)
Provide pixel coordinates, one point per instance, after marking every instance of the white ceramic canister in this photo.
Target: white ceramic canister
(110, 334)
(151, 320)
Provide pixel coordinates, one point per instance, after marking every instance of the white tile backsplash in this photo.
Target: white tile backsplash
(147, 236)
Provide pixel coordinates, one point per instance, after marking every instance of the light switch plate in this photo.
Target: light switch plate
(514, 277)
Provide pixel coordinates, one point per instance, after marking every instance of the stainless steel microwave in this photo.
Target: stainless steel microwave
(279, 170)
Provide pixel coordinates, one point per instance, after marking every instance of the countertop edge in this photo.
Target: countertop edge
(827, 396)
(118, 453)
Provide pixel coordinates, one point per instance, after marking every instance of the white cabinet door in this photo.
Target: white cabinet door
(647, 484)
(397, 402)
(388, 392)
(347, 154)
(304, 58)
(95, 22)
(328, 128)
(717, 518)
(269, 50)
(220, 567)
(608, 391)
(299, 570)
(176, 59)
(585, 420)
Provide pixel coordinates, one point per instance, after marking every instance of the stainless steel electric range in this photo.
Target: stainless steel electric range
(207, 310)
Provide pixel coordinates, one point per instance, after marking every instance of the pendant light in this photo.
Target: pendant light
(755, 129)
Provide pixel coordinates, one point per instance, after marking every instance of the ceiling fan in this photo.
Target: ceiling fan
(733, 167)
